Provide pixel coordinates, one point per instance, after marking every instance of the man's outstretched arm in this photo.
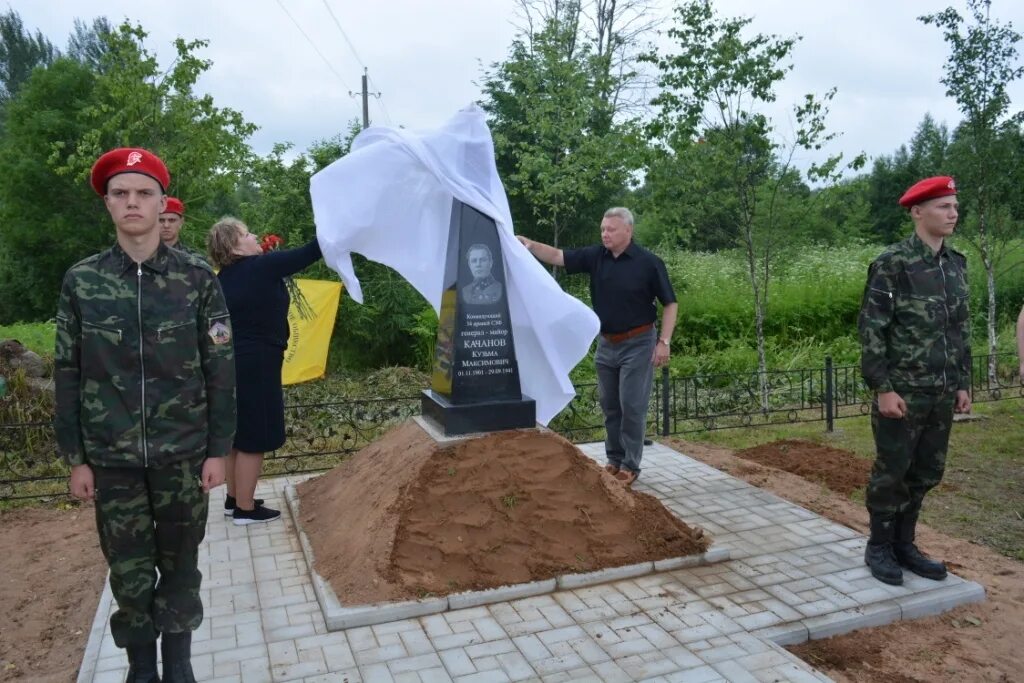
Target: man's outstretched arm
(546, 253)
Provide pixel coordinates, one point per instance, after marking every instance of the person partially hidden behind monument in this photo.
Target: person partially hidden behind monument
(625, 281)
(484, 289)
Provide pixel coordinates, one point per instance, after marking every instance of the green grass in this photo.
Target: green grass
(852, 434)
(981, 497)
(38, 337)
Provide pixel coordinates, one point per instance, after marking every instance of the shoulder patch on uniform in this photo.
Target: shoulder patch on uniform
(219, 333)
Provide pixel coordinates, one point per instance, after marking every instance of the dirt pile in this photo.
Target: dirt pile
(406, 517)
(51, 577)
(839, 470)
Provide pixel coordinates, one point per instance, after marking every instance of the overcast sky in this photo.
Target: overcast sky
(425, 57)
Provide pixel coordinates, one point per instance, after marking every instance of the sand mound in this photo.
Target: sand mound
(839, 470)
(406, 517)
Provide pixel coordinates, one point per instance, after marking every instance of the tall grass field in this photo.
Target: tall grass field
(814, 296)
(813, 299)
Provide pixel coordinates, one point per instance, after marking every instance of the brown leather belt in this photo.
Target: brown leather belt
(616, 337)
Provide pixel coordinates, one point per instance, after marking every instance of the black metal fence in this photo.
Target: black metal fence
(321, 434)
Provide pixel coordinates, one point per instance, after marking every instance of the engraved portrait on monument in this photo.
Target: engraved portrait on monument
(484, 289)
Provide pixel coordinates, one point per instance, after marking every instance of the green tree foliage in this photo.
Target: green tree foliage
(68, 114)
(723, 173)
(88, 43)
(562, 154)
(983, 63)
(394, 326)
(20, 53)
(928, 155)
(276, 198)
(46, 221)
(136, 103)
(840, 213)
(1011, 140)
(274, 194)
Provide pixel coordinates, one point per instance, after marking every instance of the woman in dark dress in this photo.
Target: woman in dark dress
(257, 298)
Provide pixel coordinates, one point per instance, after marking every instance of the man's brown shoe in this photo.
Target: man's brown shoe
(626, 477)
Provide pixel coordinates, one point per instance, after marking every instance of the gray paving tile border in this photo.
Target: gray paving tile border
(627, 571)
(938, 600)
(844, 621)
(99, 626)
(788, 633)
(501, 594)
(340, 617)
(915, 606)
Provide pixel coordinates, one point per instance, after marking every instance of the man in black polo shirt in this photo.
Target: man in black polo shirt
(625, 279)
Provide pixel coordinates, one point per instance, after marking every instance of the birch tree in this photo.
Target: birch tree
(983, 62)
(718, 147)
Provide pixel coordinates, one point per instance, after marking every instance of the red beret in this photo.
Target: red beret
(128, 160)
(929, 188)
(174, 205)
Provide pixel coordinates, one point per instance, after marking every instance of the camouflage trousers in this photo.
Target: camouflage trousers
(911, 452)
(151, 521)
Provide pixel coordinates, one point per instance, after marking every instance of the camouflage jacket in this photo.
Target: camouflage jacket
(915, 330)
(144, 364)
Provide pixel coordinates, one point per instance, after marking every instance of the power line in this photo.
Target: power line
(343, 34)
(355, 53)
(380, 101)
(313, 45)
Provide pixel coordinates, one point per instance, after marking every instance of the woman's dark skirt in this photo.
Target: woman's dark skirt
(260, 401)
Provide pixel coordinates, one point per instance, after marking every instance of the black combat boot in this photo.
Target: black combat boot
(142, 663)
(879, 553)
(176, 649)
(907, 553)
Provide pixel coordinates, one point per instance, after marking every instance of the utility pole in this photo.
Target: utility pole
(366, 102)
(365, 93)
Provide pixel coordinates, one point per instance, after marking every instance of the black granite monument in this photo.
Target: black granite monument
(475, 381)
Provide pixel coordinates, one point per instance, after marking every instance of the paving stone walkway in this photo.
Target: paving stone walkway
(793, 575)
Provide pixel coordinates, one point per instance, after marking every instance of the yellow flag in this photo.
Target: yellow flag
(306, 356)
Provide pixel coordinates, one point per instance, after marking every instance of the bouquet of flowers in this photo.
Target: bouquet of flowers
(271, 242)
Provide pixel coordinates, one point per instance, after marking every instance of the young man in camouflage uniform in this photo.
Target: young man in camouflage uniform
(172, 220)
(915, 337)
(145, 411)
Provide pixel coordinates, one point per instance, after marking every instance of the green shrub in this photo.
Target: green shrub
(386, 330)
